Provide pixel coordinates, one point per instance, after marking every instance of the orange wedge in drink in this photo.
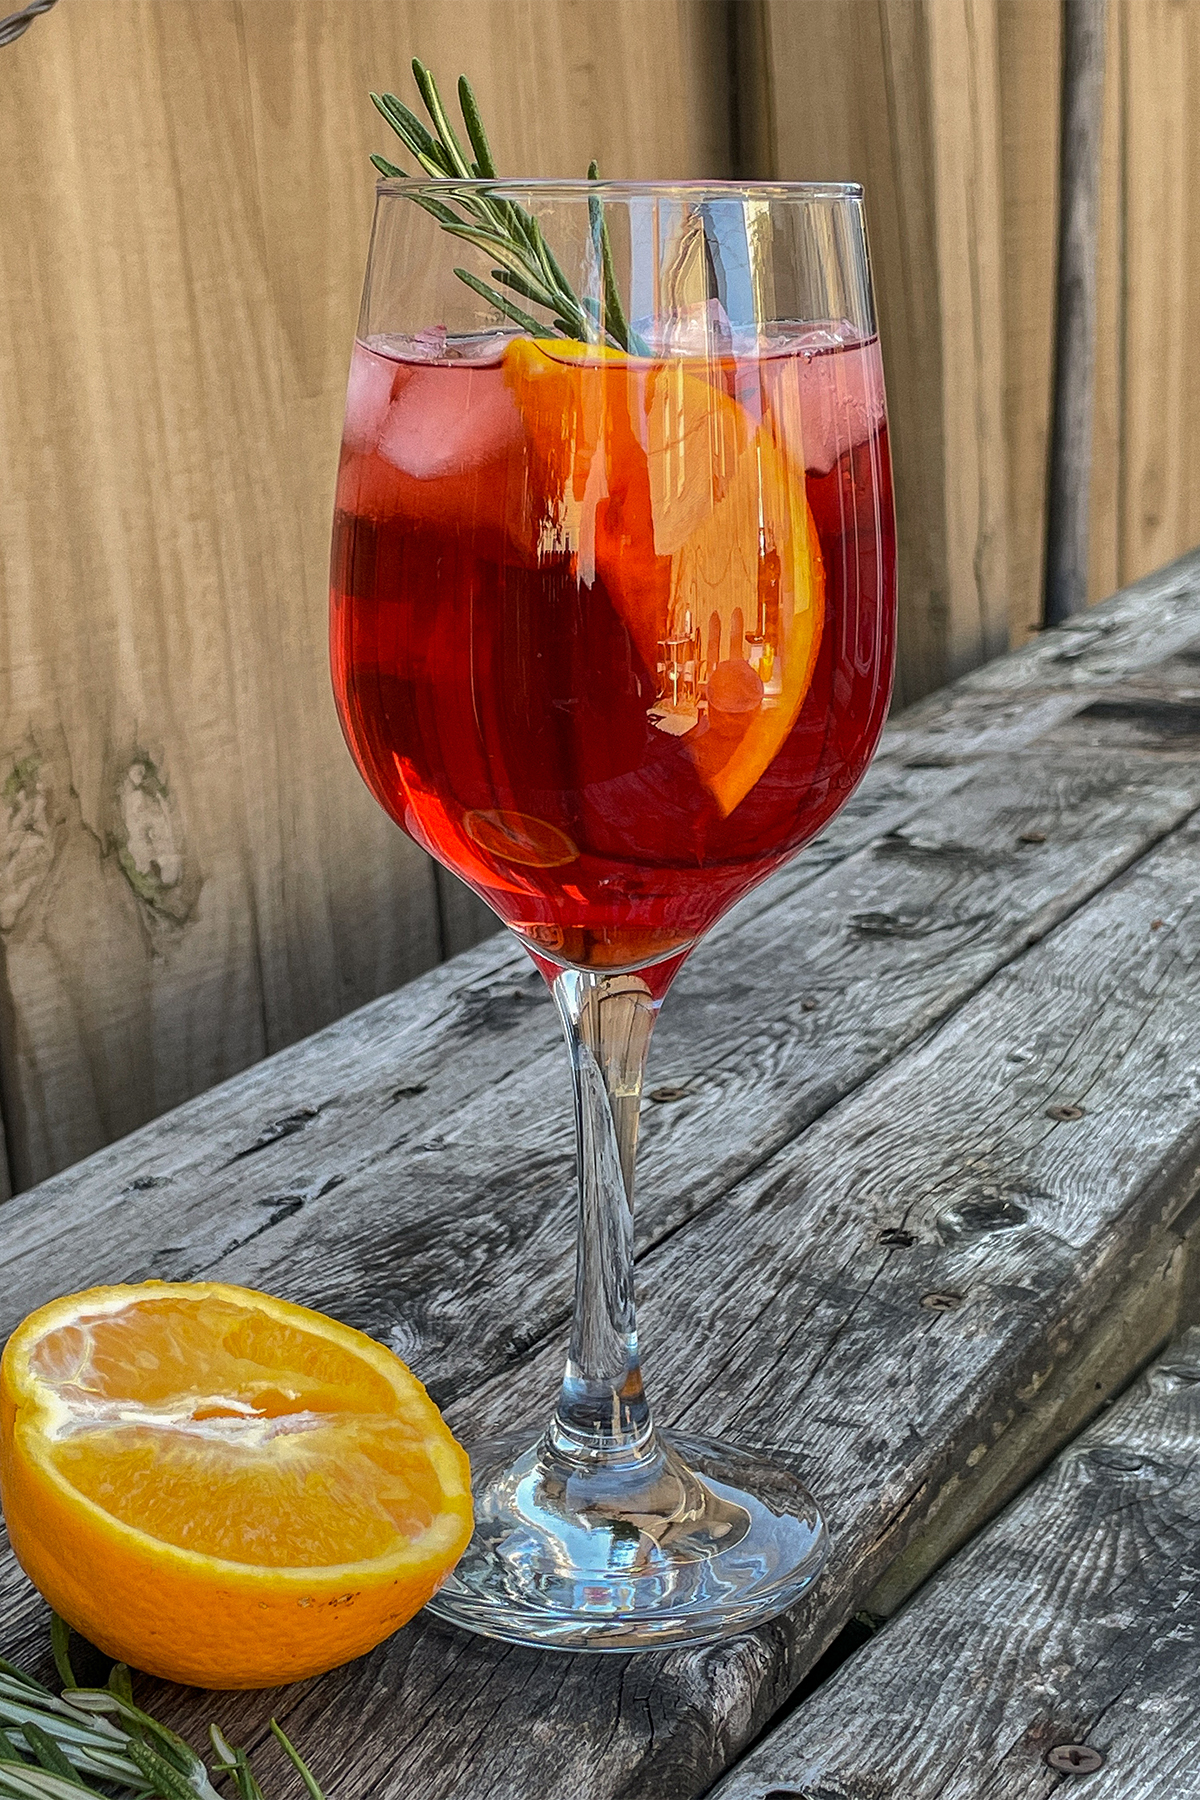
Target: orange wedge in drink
(654, 477)
(223, 1488)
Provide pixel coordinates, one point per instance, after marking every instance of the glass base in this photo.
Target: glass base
(682, 1541)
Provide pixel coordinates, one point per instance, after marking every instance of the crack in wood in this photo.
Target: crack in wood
(276, 1132)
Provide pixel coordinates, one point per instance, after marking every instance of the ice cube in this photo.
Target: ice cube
(448, 421)
(436, 344)
(368, 394)
(841, 401)
(699, 329)
(827, 397)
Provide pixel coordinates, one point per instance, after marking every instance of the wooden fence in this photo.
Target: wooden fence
(191, 874)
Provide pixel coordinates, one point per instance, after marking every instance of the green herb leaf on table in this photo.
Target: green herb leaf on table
(492, 222)
(52, 1747)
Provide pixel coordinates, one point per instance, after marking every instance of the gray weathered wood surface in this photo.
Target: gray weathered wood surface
(863, 1240)
(1075, 1618)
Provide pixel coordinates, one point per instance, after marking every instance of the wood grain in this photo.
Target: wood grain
(783, 1299)
(191, 873)
(1071, 1620)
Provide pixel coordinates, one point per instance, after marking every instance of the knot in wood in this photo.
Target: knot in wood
(821, 1793)
(1065, 1115)
(1075, 1759)
(668, 1092)
(946, 1302)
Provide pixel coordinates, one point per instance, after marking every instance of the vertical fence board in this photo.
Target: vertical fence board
(191, 873)
(1068, 501)
(1029, 51)
(1162, 279)
(1104, 552)
(902, 96)
(964, 76)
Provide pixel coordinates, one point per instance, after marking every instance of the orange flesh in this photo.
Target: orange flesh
(232, 1435)
(669, 488)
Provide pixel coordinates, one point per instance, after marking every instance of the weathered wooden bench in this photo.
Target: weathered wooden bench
(918, 1179)
(1063, 1641)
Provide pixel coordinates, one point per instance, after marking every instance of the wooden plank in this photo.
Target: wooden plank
(192, 873)
(477, 1044)
(903, 97)
(1050, 1410)
(964, 95)
(449, 1232)
(1071, 1620)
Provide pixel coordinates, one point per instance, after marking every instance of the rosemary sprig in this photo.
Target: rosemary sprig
(53, 1747)
(522, 260)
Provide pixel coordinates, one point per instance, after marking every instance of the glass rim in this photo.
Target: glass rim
(579, 187)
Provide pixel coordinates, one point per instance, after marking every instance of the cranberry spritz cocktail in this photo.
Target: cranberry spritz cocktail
(612, 637)
(613, 712)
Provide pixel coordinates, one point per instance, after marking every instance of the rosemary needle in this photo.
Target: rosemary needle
(53, 1747)
(522, 260)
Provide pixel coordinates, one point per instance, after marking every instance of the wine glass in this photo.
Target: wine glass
(612, 637)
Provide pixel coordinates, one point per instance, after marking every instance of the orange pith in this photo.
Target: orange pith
(220, 1487)
(681, 499)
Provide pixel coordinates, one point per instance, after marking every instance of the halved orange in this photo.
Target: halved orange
(220, 1487)
(659, 480)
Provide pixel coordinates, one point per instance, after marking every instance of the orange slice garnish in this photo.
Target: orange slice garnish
(656, 479)
(516, 837)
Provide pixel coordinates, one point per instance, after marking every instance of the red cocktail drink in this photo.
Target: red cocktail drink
(612, 636)
(612, 620)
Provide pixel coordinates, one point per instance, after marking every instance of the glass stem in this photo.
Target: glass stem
(602, 1409)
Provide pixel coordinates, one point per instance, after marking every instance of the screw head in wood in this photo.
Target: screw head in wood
(1075, 1759)
(941, 1302)
(1065, 1114)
